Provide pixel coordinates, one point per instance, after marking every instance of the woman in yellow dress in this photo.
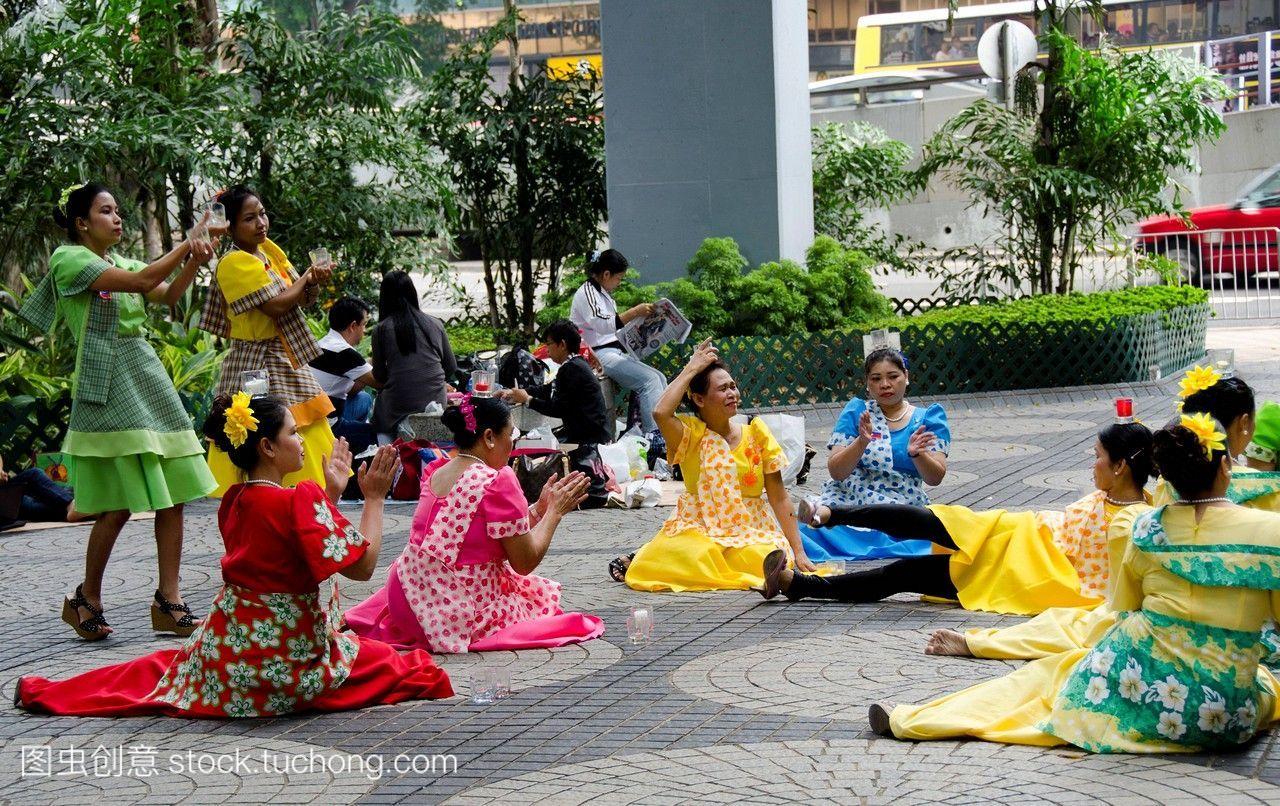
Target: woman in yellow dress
(1007, 562)
(722, 528)
(256, 301)
(1180, 669)
(1227, 400)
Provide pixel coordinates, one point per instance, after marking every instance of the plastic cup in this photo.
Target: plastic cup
(640, 624)
(484, 686)
(320, 258)
(217, 214)
(256, 382)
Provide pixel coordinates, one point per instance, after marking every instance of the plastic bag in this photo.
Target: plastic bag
(788, 429)
(616, 460)
(637, 452)
(644, 492)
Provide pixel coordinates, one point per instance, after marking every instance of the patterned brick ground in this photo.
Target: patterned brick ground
(734, 700)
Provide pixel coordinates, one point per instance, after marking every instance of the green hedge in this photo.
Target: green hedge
(1045, 342)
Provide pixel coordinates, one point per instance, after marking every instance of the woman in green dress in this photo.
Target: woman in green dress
(130, 443)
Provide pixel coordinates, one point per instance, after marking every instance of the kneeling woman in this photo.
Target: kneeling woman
(1006, 562)
(722, 528)
(270, 645)
(465, 581)
(1179, 671)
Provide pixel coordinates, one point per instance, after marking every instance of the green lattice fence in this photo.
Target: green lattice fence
(962, 357)
(29, 426)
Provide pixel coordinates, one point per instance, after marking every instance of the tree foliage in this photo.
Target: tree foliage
(165, 102)
(1070, 166)
(527, 164)
(857, 167)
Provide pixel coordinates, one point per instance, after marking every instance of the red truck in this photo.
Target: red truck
(1226, 242)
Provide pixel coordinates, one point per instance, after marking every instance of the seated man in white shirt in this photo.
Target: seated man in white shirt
(343, 372)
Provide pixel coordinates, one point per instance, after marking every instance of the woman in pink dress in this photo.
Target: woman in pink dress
(465, 581)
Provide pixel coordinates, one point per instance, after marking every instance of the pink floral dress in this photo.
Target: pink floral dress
(452, 589)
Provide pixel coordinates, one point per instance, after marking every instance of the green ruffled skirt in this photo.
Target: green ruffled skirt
(140, 482)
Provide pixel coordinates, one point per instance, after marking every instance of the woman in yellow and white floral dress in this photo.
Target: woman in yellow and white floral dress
(1179, 671)
(723, 528)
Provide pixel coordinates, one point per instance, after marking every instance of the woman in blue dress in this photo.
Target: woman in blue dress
(883, 451)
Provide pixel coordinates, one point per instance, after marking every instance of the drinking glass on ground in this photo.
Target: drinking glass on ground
(320, 258)
(1223, 360)
(501, 682)
(217, 214)
(484, 685)
(830, 568)
(640, 624)
(256, 382)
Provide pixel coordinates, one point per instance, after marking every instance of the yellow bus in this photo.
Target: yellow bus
(920, 39)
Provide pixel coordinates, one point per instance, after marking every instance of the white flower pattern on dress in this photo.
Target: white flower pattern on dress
(1213, 716)
(1097, 690)
(335, 548)
(324, 516)
(1131, 685)
(265, 633)
(1100, 661)
(1171, 725)
(237, 637)
(240, 707)
(241, 675)
(1171, 693)
(276, 671)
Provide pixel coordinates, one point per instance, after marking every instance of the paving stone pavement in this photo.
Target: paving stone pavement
(734, 699)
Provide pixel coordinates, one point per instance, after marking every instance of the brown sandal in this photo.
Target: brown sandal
(774, 564)
(164, 620)
(91, 629)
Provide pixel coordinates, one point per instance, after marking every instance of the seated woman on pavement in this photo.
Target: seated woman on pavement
(723, 526)
(465, 582)
(574, 397)
(1180, 670)
(270, 644)
(1006, 562)
(1226, 400)
(883, 451)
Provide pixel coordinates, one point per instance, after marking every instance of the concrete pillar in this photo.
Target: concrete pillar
(706, 110)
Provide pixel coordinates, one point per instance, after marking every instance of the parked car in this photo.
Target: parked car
(1234, 241)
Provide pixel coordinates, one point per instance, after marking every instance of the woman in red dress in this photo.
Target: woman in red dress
(270, 644)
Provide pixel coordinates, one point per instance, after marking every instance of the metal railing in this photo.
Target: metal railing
(1239, 267)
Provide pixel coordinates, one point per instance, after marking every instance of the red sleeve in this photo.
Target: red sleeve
(503, 508)
(327, 541)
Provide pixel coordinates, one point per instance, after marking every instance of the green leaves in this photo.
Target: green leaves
(1069, 171)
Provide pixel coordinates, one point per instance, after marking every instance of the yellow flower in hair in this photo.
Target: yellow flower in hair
(240, 419)
(1198, 379)
(1206, 430)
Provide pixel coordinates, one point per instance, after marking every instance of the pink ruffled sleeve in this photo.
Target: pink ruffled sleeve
(503, 509)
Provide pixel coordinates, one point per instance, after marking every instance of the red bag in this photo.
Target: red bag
(407, 484)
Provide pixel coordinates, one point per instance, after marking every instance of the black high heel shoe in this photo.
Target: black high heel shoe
(164, 620)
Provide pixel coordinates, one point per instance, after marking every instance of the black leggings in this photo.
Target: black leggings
(929, 575)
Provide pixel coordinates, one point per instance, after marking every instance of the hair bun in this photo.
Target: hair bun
(215, 424)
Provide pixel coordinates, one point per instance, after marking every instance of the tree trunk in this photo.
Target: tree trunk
(1047, 153)
(152, 242)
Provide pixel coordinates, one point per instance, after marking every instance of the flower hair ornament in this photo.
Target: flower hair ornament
(240, 420)
(1197, 379)
(65, 196)
(594, 256)
(1206, 431)
(468, 413)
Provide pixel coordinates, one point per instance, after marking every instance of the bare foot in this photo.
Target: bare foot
(947, 642)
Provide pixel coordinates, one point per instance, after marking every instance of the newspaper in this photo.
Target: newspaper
(642, 337)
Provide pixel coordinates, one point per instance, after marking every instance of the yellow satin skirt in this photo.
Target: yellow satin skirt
(1059, 629)
(317, 445)
(691, 561)
(1008, 709)
(1007, 562)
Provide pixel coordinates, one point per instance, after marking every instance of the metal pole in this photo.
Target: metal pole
(1264, 69)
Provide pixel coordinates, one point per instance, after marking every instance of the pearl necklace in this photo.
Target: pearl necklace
(1111, 500)
(470, 456)
(267, 482)
(906, 409)
(1221, 498)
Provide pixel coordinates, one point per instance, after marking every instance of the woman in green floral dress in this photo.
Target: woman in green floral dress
(130, 441)
(1180, 670)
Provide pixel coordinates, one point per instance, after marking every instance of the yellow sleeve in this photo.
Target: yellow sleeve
(1118, 539)
(772, 458)
(1126, 581)
(239, 275)
(1163, 494)
(690, 435)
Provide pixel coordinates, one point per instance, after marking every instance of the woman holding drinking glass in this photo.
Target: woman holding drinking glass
(130, 441)
(256, 301)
